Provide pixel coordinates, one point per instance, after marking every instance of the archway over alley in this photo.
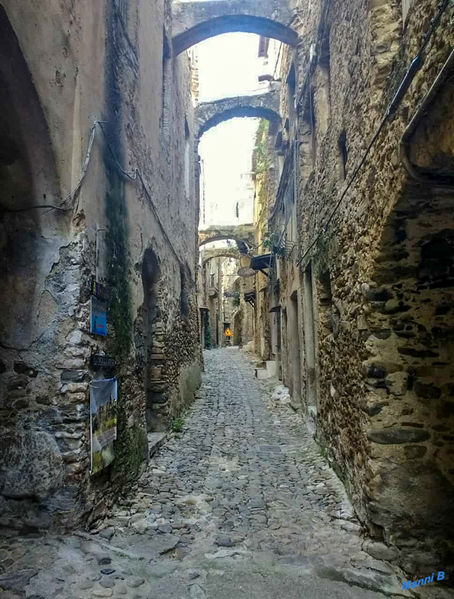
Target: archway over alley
(197, 21)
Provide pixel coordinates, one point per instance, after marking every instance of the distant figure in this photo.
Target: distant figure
(228, 335)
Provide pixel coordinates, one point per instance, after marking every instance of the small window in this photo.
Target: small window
(291, 90)
(184, 298)
(343, 155)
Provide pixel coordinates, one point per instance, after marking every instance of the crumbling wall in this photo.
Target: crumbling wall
(97, 62)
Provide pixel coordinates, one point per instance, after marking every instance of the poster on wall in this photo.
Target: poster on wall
(103, 423)
(98, 317)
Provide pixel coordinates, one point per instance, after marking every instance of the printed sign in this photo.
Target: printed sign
(98, 319)
(103, 423)
(98, 290)
(98, 361)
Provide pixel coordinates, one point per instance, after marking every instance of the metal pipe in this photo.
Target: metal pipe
(417, 173)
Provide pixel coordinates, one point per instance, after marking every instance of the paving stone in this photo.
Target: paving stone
(107, 583)
(16, 581)
(85, 585)
(135, 582)
(224, 541)
(102, 592)
(251, 497)
(121, 589)
(196, 592)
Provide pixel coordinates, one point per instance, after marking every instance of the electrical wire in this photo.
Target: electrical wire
(132, 176)
(136, 175)
(415, 65)
(74, 193)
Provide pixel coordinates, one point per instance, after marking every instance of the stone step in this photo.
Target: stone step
(155, 440)
(268, 372)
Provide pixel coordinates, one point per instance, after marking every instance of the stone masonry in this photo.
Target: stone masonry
(364, 291)
(264, 105)
(91, 165)
(207, 519)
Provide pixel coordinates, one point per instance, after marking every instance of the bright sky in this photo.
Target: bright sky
(228, 66)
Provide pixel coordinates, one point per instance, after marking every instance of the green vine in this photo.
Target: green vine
(261, 155)
(120, 318)
(272, 242)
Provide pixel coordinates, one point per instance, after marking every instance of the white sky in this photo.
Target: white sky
(228, 66)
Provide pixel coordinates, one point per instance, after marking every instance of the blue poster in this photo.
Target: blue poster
(98, 320)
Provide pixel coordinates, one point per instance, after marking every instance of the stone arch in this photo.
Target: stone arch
(243, 235)
(241, 243)
(221, 253)
(219, 18)
(29, 179)
(33, 271)
(410, 381)
(252, 112)
(261, 106)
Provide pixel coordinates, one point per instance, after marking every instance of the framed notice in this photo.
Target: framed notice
(98, 317)
(103, 423)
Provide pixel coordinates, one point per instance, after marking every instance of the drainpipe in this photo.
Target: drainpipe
(417, 173)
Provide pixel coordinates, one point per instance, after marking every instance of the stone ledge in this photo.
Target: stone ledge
(155, 440)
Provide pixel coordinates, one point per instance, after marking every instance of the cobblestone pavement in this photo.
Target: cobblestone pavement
(240, 504)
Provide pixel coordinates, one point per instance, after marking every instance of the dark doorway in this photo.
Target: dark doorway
(154, 355)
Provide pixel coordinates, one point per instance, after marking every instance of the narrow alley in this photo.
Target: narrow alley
(239, 504)
(226, 299)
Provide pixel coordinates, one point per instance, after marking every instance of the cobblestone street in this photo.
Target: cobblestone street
(239, 504)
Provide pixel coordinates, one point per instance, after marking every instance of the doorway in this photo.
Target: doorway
(294, 351)
(154, 354)
(310, 347)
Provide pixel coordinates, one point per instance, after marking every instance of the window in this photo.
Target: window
(291, 90)
(187, 159)
(184, 298)
(343, 155)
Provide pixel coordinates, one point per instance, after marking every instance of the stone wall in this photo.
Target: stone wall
(129, 223)
(374, 252)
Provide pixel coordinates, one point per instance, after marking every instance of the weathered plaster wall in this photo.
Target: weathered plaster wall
(100, 61)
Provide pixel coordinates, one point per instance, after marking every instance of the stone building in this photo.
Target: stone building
(361, 236)
(98, 209)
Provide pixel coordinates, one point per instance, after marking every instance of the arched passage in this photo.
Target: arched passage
(410, 379)
(222, 253)
(34, 272)
(233, 23)
(240, 112)
(241, 243)
(154, 357)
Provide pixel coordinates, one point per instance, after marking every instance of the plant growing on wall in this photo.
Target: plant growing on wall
(117, 269)
(273, 243)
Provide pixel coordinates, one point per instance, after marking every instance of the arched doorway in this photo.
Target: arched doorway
(251, 112)
(33, 231)
(154, 353)
(410, 378)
